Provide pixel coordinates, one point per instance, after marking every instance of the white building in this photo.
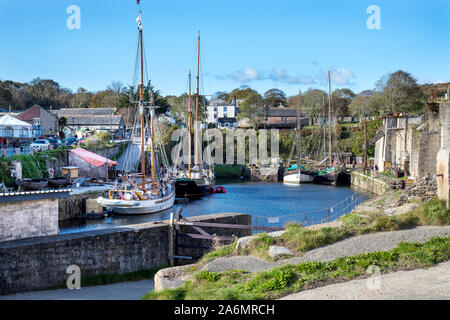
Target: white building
(222, 114)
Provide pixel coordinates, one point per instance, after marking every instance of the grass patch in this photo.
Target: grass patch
(278, 282)
(222, 251)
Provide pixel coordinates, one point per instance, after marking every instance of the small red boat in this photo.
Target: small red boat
(220, 190)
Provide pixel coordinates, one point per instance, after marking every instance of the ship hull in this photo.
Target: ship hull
(140, 207)
(186, 188)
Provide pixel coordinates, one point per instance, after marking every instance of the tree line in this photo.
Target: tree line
(393, 93)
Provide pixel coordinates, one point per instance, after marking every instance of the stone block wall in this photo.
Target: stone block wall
(26, 219)
(443, 157)
(40, 263)
(370, 184)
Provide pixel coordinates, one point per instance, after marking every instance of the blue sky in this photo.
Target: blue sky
(285, 44)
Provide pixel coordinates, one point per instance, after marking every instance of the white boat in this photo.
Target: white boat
(295, 178)
(136, 194)
(138, 207)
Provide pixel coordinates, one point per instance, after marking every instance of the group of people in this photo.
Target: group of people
(5, 143)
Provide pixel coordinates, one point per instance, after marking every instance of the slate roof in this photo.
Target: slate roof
(74, 120)
(282, 112)
(67, 112)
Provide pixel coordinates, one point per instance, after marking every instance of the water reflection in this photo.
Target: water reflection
(261, 200)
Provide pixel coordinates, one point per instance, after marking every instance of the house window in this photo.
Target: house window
(224, 109)
(37, 121)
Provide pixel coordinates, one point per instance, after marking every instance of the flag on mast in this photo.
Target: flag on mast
(139, 21)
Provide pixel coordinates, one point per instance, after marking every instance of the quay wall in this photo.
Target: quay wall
(41, 263)
(26, 219)
(368, 183)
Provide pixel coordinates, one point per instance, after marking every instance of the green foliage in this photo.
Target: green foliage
(433, 212)
(209, 276)
(220, 252)
(230, 172)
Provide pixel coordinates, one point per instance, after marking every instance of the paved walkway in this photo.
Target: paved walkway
(420, 284)
(118, 291)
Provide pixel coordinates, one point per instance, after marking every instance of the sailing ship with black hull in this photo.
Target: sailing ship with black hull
(137, 194)
(197, 180)
(334, 174)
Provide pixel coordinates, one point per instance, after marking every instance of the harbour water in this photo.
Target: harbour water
(270, 204)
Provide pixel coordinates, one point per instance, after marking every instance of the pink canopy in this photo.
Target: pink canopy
(95, 159)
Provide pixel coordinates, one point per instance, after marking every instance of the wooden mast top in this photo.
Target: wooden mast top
(196, 142)
(329, 117)
(141, 103)
(189, 127)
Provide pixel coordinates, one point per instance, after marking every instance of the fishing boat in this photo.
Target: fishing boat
(31, 184)
(198, 180)
(297, 173)
(136, 194)
(58, 182)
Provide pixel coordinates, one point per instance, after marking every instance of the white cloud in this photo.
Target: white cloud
(280, 75)
(246, 75)
(340, 76)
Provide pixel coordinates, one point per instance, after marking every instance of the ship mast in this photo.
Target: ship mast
(196, 137)
(299, 138)
(329, 116)
(141, 102)
(152, 132)
(189, 128)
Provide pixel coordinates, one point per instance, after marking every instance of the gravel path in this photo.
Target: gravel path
(420, 284)
(381, 241)
(118, 291)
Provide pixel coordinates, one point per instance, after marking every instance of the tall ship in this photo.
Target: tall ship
(138, 193)
(197, 179)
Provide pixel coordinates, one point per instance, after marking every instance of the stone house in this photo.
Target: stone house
(81, 120)
(43, 121)
(409, 144)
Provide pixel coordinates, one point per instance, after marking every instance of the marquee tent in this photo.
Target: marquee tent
(11, 127)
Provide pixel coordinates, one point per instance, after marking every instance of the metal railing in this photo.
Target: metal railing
(318, 216)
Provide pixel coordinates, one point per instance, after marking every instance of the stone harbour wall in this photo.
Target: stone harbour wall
(26, 219)
(368, 183)
(41, 263)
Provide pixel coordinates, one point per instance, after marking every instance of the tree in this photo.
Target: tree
(311, 104)
(252, 108)
(274, 97)
(118, 88)
(179, 107)
(365, 104)
(341, 99)
(241, 93)
(401, 93)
